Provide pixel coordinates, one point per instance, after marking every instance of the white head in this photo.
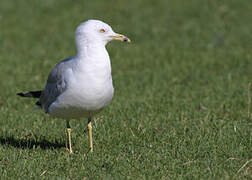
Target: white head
(96, 32)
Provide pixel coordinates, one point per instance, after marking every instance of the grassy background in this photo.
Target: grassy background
(180, 109)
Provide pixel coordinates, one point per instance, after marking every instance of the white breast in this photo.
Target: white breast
(89, 88)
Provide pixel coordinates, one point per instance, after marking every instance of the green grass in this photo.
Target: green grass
(180, 109)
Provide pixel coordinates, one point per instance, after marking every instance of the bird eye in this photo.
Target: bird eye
(102, 30)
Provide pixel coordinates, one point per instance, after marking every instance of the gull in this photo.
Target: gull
(81, 86)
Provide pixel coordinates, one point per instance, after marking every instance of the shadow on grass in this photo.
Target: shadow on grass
(29, 143)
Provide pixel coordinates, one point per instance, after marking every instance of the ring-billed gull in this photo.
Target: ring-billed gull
(81, 86)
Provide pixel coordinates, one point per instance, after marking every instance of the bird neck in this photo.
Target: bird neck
(90, 49)
(93, 59)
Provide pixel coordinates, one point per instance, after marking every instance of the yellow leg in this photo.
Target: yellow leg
(69, 137)
(90, 136)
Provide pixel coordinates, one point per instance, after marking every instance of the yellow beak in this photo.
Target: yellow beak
(120, 37)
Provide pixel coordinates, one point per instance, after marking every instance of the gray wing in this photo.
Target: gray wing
(55, 86)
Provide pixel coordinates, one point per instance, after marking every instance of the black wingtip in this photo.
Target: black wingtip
(32, 94)
(21, 94)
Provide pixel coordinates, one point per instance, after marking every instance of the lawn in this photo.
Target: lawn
(181, 108)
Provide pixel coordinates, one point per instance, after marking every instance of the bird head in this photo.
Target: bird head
(95, 31)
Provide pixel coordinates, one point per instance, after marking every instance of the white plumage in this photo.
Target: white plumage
(81, 86)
